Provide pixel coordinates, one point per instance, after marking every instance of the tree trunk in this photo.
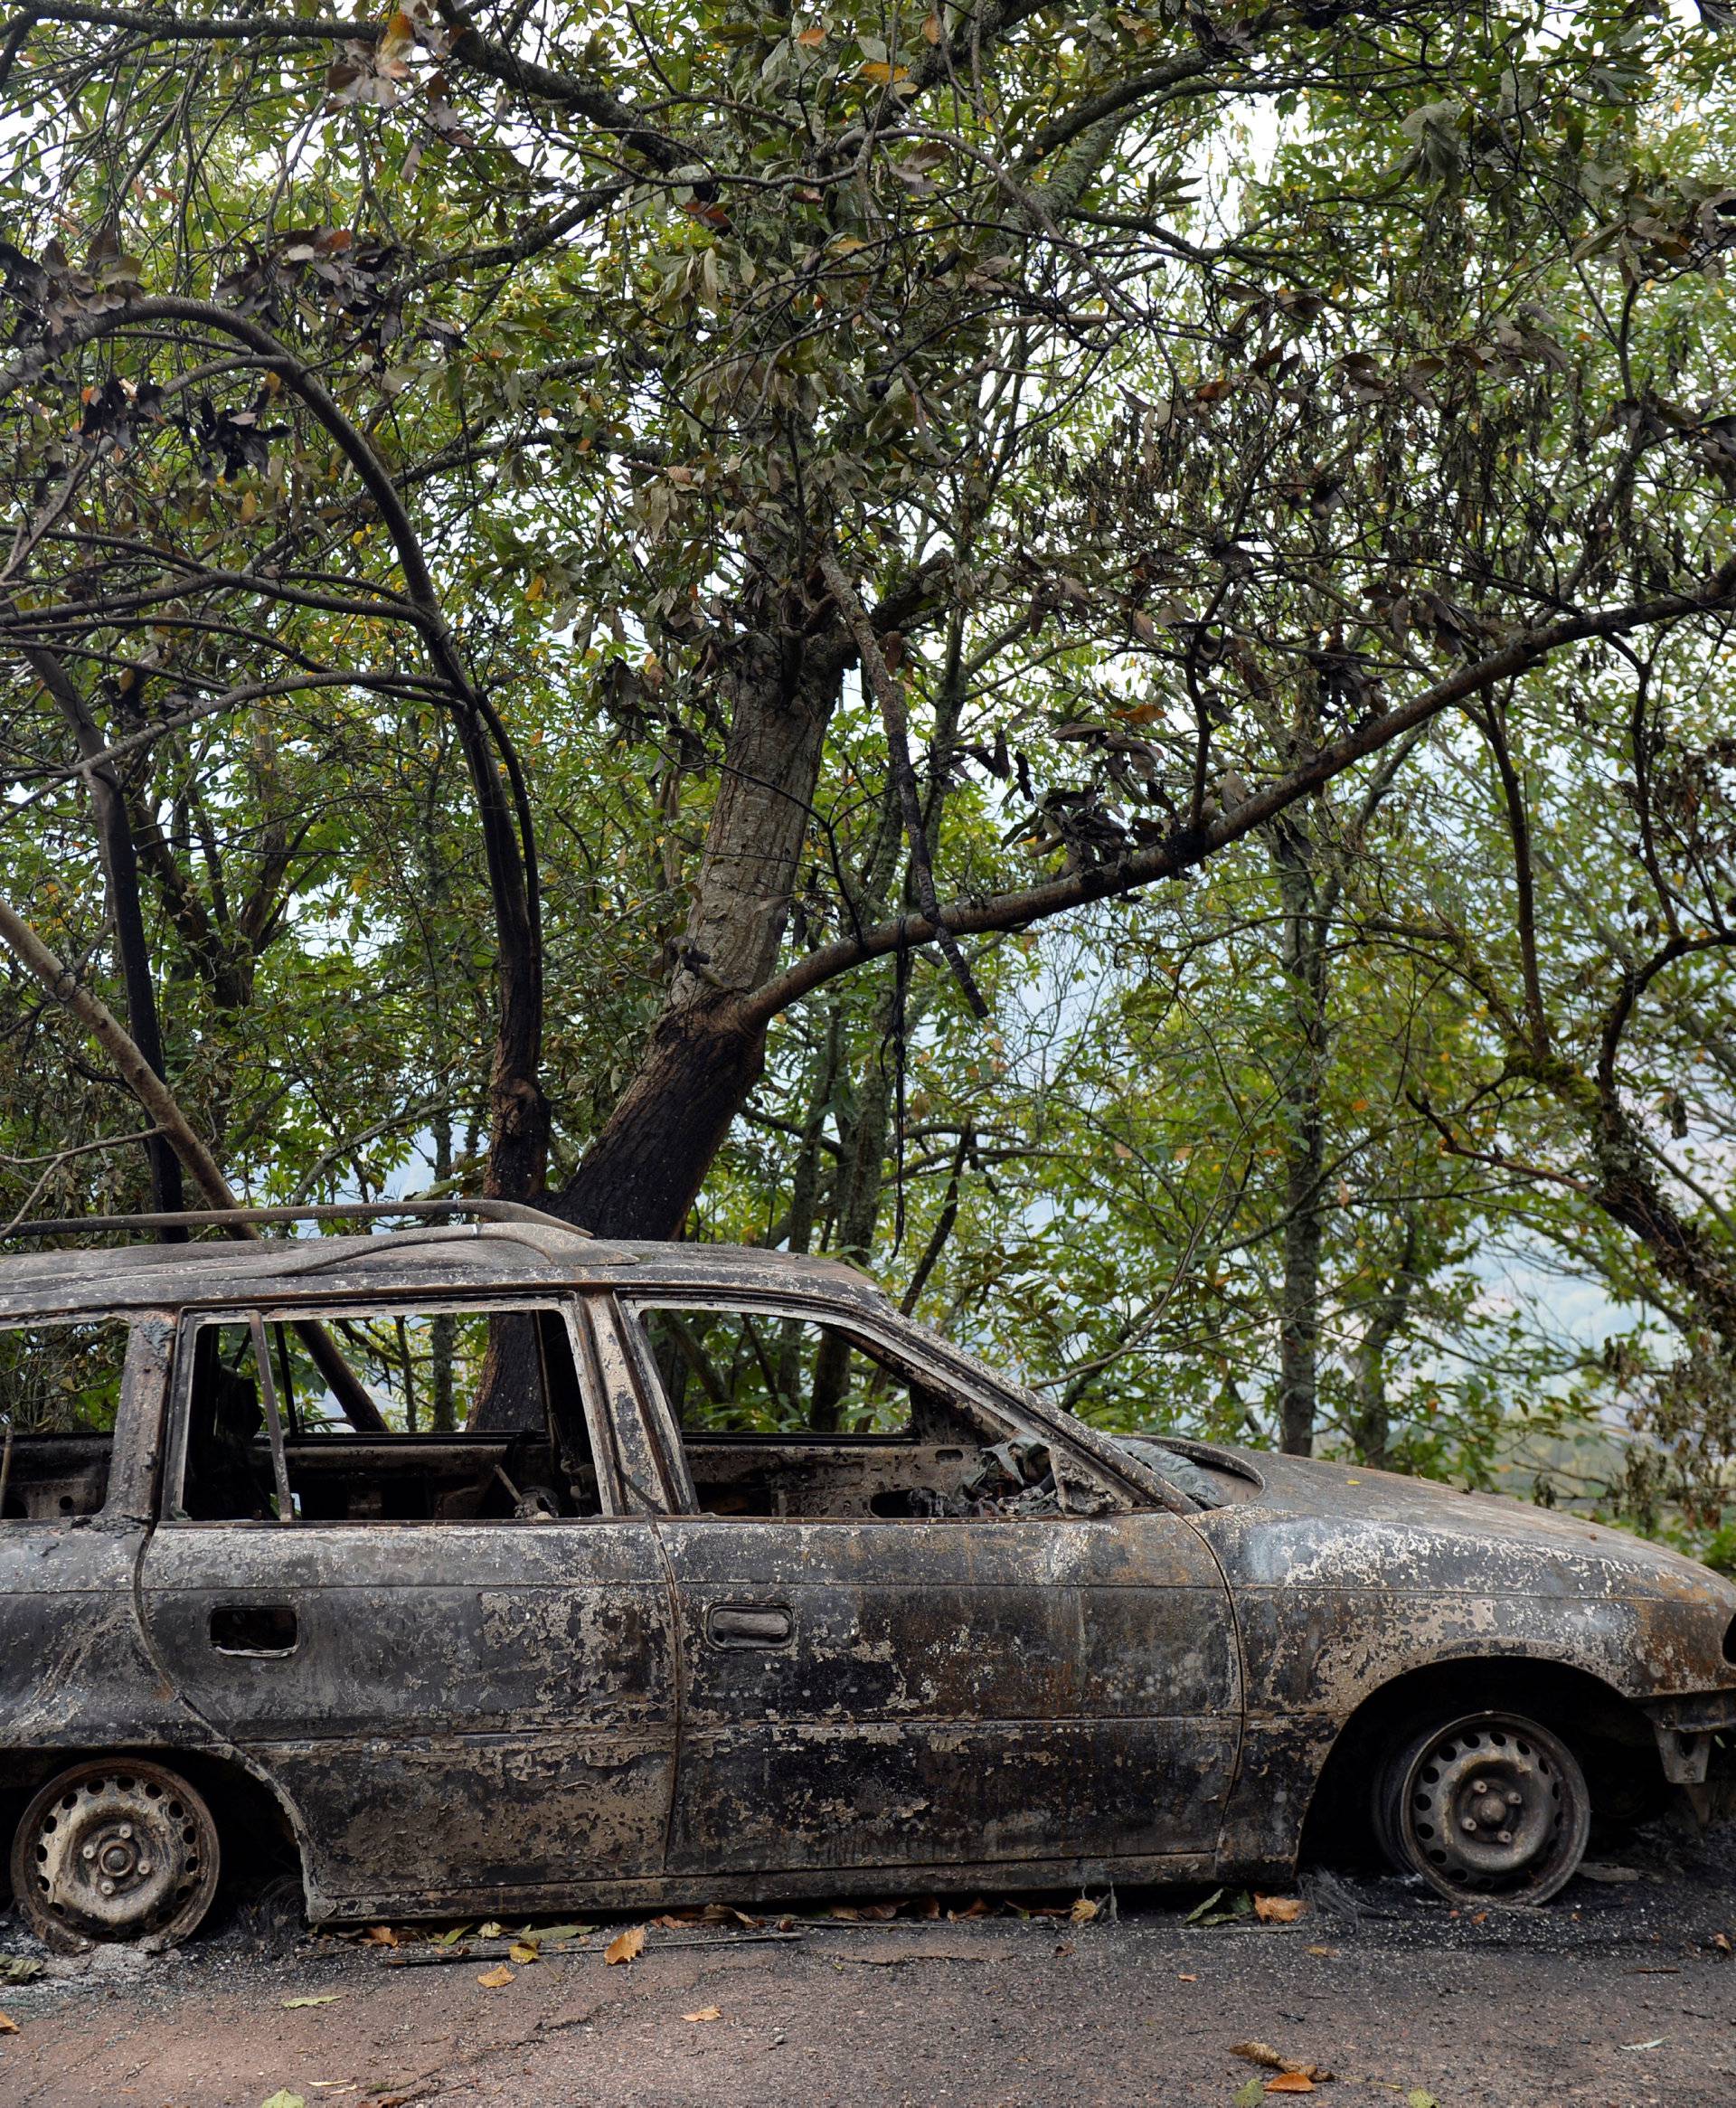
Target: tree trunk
(643, 1172)
(119, 855)
(860, 1172)
(1373, 1429)
(1305, 969)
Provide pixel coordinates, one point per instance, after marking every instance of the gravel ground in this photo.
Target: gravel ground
(1622, 1994)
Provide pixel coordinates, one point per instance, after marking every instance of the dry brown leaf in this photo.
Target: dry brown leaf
(1273, 2060)
(1326, 1953)
(497, 1979)
(8, 2026)
(382, 1936)
(626, 1946)
(1084, 1910)
(1290, 2082)
(1181, 1979)
(705, 2013)
(1279, 1910)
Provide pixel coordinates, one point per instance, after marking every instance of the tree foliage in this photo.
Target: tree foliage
(1077, 654)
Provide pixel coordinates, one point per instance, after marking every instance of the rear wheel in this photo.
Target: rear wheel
(1491, 1806)
(115, 1851)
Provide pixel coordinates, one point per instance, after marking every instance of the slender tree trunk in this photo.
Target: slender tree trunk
(861, 1173)
(1305, 969)
(119, 855)
(1373, 1426)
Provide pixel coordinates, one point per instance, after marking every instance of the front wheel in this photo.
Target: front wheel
(115, 1851)
(1490, 1806)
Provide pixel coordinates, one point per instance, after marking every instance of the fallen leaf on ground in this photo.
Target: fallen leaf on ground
(381, 1936)
(1066, 1947)
(21, 1968)
(1181, 1979)
(564, 1932)
(497, 1979)
(1273, 2060)
(1325, 1953)
(321, 1998)
(1290, 2082)
(1248, 2097)
(284, 2098)
(522, 1951)
(451, 1937)
(1722, 1941)
(705, 2013)
(1084, 1911)
(626, 1946)
(8, 2026)
(1420, 2097)
(1656, 2042)
(1279, 1910)
(491, 1930)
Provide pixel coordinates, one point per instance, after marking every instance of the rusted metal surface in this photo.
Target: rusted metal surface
(879, 1677)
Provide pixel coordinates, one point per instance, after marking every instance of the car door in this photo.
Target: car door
(1017, 1690)
(461, 1681)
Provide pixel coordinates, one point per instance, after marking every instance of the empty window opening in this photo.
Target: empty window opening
(60, 1385)
(426, 1371)
(790, 1416)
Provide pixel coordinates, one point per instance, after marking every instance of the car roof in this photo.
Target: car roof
(489, 1258)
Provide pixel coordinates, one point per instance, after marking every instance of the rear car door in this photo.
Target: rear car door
(450, 1652)
(898, 1649)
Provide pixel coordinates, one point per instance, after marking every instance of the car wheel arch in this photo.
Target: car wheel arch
(251, 1814)
(1589, 1714)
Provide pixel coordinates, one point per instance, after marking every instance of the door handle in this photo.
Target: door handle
(749, 1624)
(264, 1631)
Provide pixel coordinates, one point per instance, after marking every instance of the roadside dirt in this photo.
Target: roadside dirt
(1623, 1994)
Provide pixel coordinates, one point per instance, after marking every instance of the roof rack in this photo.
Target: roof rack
(226, 1218)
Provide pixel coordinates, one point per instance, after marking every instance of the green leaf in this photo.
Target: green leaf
(284, 2098)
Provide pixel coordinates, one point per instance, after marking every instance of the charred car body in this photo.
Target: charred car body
(648, 1648)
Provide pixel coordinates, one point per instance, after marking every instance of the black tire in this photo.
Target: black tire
(1488, 1806)
(117, 1851)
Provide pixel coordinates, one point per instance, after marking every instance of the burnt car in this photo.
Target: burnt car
(761, 1590)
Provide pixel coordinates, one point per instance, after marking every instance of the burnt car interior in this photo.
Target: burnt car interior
(782, 1415)
(426, 1372)
(59, 1387)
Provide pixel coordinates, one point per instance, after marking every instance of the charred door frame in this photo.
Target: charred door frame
(555, 1764)
(1157, 1759)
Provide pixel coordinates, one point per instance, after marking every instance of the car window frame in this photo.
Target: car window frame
(910, 1354)
(135, 1440)
(171, 1515)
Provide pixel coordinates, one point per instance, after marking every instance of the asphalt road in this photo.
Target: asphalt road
(1621, 1994)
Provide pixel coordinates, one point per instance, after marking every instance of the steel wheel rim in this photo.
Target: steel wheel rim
(1493, 1807)
(114, 1852)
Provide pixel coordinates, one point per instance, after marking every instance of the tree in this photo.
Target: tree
(765, 394)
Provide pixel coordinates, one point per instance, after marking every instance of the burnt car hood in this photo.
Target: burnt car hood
(1313, 1520)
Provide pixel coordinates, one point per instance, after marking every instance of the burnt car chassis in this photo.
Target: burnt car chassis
(609, 1661)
